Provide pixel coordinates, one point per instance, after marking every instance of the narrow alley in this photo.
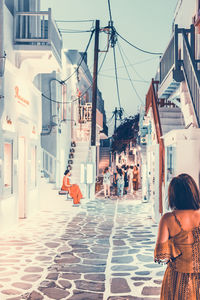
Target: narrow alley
(100, 250)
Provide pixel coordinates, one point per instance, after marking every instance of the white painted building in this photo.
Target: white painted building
(175, 104)
(81, 115)
(32, 44)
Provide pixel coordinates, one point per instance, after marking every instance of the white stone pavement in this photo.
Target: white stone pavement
(100, 250)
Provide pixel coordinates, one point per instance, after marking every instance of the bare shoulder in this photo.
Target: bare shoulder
(167, 216)
(163, 229)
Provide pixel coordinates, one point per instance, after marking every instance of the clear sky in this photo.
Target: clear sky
(145, 23)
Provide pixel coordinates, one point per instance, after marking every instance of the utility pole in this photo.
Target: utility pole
(115, 113)
(94, 85)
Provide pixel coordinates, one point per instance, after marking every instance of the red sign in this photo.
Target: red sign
(20, 99)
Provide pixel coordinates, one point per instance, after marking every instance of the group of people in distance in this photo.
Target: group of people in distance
(125, 179)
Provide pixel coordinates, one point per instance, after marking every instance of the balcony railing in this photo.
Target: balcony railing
(192, 76)
(85, 113)
(167, 60)
(37, 28)
(49, 163)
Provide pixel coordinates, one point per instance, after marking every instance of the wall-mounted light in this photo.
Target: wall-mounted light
(2, 64)
(64, 120)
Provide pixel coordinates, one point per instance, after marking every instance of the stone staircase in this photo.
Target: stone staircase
(171, 118)
(104, 159)
(80, 156)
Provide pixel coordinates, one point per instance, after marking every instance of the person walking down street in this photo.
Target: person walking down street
(178, 241)
(135, 178)
(120, 183)
(106, 182)
(126, 183)
(73, 189)
(115, 180)
(130, 177)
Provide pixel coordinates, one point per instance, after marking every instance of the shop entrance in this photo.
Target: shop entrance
(22, 177)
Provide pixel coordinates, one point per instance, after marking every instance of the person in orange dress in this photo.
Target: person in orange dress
(135, 178)
(178, 241)
(73, 189)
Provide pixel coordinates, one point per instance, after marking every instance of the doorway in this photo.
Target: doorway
(22, 178)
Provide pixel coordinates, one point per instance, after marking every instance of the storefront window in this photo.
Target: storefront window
(33, 165)
(8, 165)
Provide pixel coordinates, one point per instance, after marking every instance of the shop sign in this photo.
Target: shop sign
(20, 99)
(33, 129)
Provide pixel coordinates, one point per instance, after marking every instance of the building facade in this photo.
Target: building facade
(172, 103)
(30, 45)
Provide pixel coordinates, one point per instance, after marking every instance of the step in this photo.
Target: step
(170, 121)
(170, 115)
(169, 109)
(167, 128)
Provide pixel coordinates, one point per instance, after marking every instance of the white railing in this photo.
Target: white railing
(49, 163)
(167, 60)
(192, 76)
(37, 28)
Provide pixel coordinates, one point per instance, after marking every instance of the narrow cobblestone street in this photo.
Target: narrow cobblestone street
(100, 250)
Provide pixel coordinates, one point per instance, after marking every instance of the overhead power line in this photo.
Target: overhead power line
(128, 74)
(113, 40)
(66, 102)
(123, 78)
(78, 98)
(110, 14)
(74, 31)
(82, 58)
(140, 76)
(116, 77)
(142, 50)
(132, 64)
(73, 21)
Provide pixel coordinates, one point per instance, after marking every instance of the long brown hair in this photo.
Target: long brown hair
(183, 193)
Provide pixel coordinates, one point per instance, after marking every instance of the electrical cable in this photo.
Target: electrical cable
(142, 50)
(74, 31)
(123, 78)
(113, 40)
(128, 74)
(74, 21)
(82, 58)
(136, 63)
(116, 77)
(109, 121)
(110, 14)
(132, 65)
(76, 99)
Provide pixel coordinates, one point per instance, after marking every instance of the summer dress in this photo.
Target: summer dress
(182, 254)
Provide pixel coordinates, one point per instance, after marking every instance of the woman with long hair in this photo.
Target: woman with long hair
(135, 178)
(106, 182)
(73, 189)
(178, 241)
(120, 183)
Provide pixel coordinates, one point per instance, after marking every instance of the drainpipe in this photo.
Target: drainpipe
(50, 108)
(2, 57)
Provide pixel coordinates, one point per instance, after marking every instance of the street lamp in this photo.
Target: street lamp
(2, 64)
